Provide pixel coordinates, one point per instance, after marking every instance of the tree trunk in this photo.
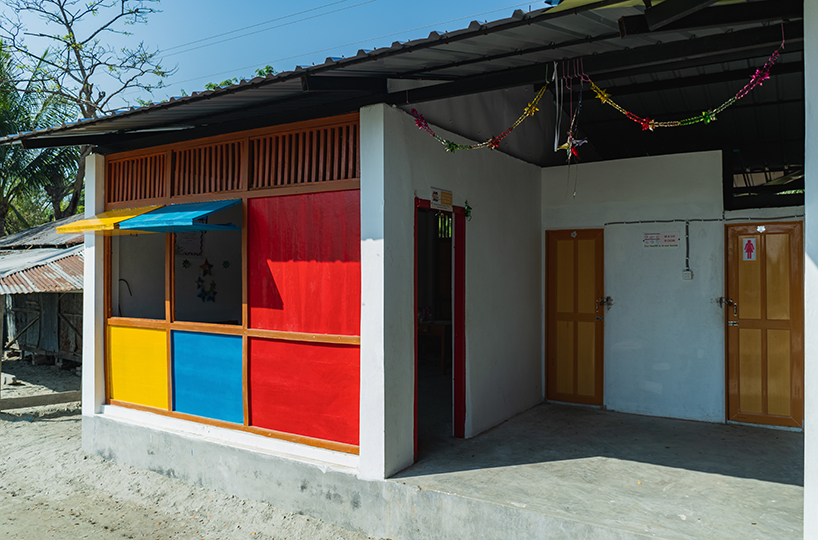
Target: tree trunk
(79, 180)
(4, 210)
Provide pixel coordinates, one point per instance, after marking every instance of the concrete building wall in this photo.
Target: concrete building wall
(93, 367)
(664, 336)
(503, 281)
(811, 273)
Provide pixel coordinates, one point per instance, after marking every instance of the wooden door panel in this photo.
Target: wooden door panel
(574, 316)
(765, 329)
(778, 276)
(778, 372)
(750, 391)
(565, 357)
(586, 359)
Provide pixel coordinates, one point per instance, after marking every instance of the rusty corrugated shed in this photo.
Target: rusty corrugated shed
(41, 270)
(44, 235)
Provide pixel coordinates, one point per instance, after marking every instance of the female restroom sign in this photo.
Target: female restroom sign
(748, 249)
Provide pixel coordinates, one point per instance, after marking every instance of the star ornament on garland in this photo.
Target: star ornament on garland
(207, 268)
(571, 146)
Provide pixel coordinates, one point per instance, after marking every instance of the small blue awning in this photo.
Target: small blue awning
(181, 218)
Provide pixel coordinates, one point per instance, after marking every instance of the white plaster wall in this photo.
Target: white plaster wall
(664, 336)
(93, 383)
(811, 273)
(503, 271)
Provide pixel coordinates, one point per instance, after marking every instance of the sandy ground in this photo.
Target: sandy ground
(50, 489)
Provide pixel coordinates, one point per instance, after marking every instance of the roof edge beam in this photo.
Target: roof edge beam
(672, 10)
(715, 16)
(366, 85)
(93, 139)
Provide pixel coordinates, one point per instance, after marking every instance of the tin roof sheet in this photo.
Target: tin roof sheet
(41, 270)
(44, 235)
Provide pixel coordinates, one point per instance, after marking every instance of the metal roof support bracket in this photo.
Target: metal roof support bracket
(673, 10)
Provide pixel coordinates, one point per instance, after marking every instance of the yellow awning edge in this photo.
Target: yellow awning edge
(106, 223)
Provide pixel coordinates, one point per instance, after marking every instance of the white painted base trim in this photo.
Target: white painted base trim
(320, 457)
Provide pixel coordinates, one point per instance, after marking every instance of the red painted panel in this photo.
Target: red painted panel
(304, 262)
(309, 389)
(459, 324)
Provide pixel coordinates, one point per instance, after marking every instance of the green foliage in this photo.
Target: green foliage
(226, 82)
(25, 173)
(78, 61)
(28, 212)
(260, 72)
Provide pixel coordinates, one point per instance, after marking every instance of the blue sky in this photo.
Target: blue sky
(298, 33)
(330, 28)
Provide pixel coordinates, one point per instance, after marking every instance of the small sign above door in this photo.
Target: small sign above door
(748, 249)
(441, 199)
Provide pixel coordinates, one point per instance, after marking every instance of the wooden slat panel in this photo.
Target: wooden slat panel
(565, 357)
(749, 284)
(586, 274)
(307, 156)
(208, 169)
(135, 179)
(586, 358)
(779, 394)
(750, 386)
(777, 250)
(565, 276)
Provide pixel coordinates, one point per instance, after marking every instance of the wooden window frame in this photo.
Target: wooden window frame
(169, 324)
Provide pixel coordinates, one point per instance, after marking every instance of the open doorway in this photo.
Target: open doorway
(439, 327)
(434, 327)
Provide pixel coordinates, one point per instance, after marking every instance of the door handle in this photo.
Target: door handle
(607, 302)
(729, 302)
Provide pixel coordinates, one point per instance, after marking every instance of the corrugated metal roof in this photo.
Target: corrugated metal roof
(43, 236)
(766, 126)
(41, 270)
(524, 39)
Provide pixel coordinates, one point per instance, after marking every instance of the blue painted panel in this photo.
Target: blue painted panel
(207, 376)
(181, 218)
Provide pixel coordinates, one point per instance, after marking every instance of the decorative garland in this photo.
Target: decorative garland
(573, 143)
(761, 75)
(491, 143)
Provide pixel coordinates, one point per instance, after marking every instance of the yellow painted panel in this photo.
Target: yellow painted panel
(106, 223)
(749, 283)
(777, 253)
(586, 286)
(586, 352)
(779, 399)
(565, 357)
(138, 360)
(749, 370)
(565, 276)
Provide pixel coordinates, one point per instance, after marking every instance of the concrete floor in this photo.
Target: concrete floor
(585, 469)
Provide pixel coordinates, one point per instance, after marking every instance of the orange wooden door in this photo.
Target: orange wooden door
(765, 324)
(575, 315)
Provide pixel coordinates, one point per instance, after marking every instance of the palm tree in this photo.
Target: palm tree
(24, 172)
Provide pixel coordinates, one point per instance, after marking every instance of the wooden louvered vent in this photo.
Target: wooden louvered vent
(316, 155)
(136, 178)
(207, 169)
